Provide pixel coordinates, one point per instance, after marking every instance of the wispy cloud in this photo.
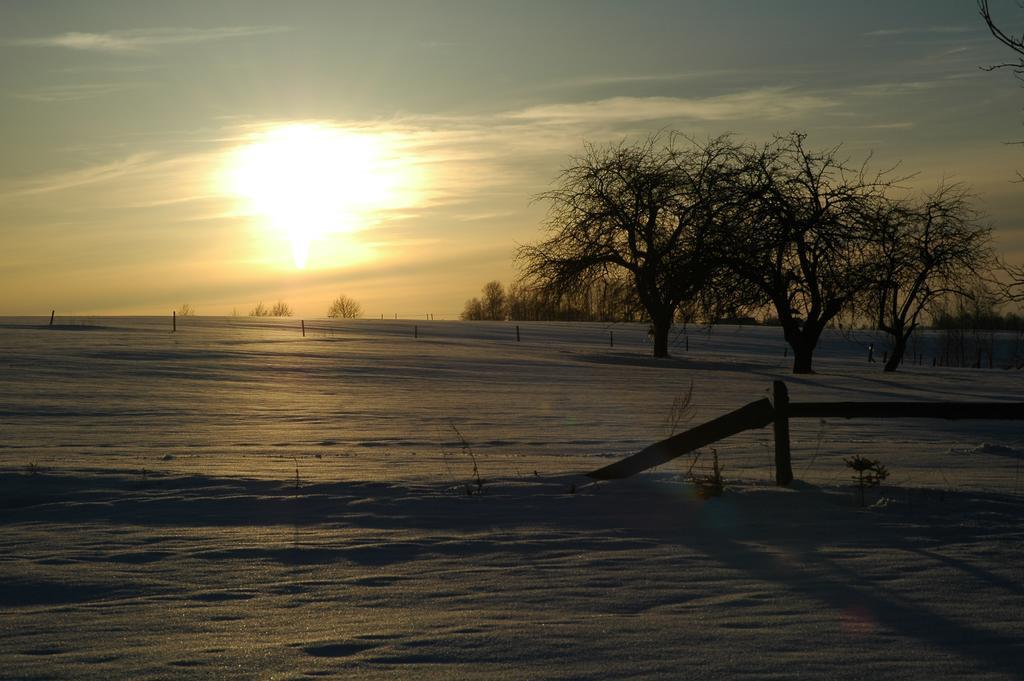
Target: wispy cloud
(919, 30)
(886, 89)
(142, 40)
(606, 80)
(72, 93)
(76, 178)
(760, 103)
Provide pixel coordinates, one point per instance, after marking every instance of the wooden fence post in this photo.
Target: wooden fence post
(517, 333)
(783, 462)
(52, 312)
(303, 321)
(174, 321)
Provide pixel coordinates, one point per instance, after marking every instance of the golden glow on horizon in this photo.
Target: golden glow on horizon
(311, 180)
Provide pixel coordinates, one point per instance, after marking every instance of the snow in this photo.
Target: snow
(236, 501)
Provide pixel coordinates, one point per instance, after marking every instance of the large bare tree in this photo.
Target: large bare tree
(799, 234)
(644, 210)
(927, 250)
(1015, 43)
(345, 307)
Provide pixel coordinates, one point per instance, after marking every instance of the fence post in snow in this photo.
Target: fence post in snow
(783, 462)
(174, 321)
(303, 322)
(517, 333)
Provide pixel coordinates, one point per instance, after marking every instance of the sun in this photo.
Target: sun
(311, 180)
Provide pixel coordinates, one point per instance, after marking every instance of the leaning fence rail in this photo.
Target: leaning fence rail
(778, 411)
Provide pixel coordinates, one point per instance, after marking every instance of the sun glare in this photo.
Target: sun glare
(309, 180)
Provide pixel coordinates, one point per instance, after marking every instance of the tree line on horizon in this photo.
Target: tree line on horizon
(671, 229)
(342, 307)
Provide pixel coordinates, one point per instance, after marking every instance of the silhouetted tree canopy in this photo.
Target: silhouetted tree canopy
(927, 249)
(344, 307)
(637, 210)
(799, 232)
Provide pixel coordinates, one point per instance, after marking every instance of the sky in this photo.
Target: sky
(225, 153)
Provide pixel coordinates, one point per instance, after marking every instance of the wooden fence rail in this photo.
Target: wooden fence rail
(778, 411)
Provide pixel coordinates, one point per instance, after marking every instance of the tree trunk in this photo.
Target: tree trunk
(899, 349)
(661, 328)
(803, 355)
(802, 340)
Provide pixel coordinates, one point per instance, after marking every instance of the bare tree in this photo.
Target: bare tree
(186, 310)
(281, 309)
(493, 306)
(259, 311)
(344, 307)
(642, 210)
(473, 310)
(493, 301)
(926, 251)
(798, 233)
(1013, 285)
(1015, 43)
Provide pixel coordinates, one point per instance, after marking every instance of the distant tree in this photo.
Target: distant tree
(603, 299)
(473, 310)
(186, 310)
(798, 233)
(493, 305)
(926, 251)
(968, 322)
(281, 309)
(493, 301)
(638, 210)
(259, 311)
(344, 307)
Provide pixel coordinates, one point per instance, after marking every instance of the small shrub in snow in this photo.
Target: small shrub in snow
(869, 473)
(476, 486)
(710, 484)
(680, 412)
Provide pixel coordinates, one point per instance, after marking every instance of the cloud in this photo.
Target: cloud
(762, 103)
(886, 89)
(141, 40)
(607, 80)
(901, 125)
(72, 93)
(77, 178)
(918, 30)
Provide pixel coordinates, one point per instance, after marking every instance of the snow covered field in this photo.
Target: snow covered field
(237, 501)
